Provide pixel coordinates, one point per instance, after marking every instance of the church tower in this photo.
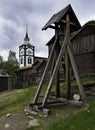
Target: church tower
(26, 52)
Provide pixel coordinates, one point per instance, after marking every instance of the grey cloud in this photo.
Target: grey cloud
(15, 14)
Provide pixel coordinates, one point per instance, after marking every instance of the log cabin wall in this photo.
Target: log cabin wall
(31, 75)
(86, 63)
(83, 44)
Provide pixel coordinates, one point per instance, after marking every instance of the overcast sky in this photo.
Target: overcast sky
(15, 14)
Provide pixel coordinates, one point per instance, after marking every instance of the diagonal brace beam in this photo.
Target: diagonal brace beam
(62, 51)
(44, 73)
(75, 70)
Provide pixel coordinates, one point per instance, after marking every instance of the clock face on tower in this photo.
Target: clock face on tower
(29, 51)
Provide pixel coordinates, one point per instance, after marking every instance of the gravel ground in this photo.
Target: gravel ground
(16, 121)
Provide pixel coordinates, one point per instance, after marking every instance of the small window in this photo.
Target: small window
(21, 61)
(29, 60)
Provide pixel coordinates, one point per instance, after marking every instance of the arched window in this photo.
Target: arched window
(21, 60)
(29, 60)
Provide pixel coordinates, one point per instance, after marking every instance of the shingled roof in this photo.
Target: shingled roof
(56, 18)
(89, 25)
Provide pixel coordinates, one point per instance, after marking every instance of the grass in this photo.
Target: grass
(81, 120)
(17, 101)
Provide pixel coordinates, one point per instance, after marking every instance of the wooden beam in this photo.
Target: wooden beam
(44, 73)
(78, 103)
(74, 66)
(64, 21)
(53, 27)
(57, 50)
(57, 85)
(67, 63)
(55, 71)
(68, 84)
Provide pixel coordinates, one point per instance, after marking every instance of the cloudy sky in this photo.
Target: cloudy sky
(15, 14)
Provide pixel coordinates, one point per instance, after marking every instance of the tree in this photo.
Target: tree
(11, 64)
(1, 59)
(12, 59)
(1, 62)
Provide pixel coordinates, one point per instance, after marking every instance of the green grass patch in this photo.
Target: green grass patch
(17, 101)
(82, 120)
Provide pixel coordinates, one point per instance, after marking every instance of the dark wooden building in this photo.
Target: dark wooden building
(3, 80)
(83, 44)
(30, 75)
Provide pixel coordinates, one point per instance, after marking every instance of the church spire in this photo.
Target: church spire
(26, 39)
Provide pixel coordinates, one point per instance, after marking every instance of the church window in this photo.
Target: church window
(21, 60)
(29, 60)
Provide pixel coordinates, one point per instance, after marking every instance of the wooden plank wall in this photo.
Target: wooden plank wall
(84, 50)
(86, 63)
(84, 44)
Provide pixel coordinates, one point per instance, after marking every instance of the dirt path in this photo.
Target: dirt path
(16, 121)
(20, 121)
(7, 93)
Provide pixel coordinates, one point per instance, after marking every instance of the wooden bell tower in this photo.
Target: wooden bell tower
(64, 23)
(26, 52)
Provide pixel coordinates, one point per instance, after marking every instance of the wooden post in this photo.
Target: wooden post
(55, 56)
(72, 60)
(44, 73)
(67, 61)
(54, 71)
(57, 50)
(68, 84)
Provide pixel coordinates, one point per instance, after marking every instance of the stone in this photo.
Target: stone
(36, 108)
(7, 125)
(33, 112)
(8, 115)
(26, 110)
(30, 117)
(76, 97)
(26, 113)
(33, 123)
(46, 111)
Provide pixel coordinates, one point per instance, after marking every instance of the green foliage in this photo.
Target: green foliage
(11, 64)
(12, 59)
(1, 61)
